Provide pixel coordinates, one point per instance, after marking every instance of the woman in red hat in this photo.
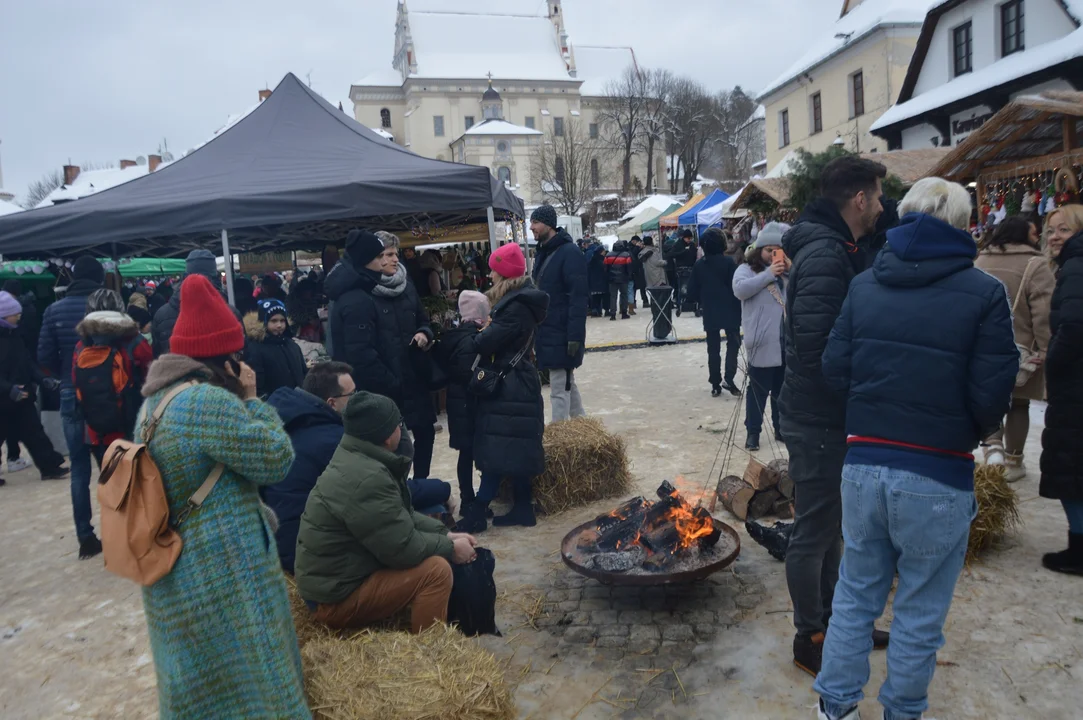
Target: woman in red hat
(220, 629)
(509, 423)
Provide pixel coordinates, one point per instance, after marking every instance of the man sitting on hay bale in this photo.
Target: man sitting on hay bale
(363, 554)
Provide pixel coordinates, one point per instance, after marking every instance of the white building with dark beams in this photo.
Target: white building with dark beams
(973, 57)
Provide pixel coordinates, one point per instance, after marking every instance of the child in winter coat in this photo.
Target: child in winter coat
(455, 355)
(273, 355)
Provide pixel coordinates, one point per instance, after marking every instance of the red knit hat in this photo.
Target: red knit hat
(206, 327)
(508, 261)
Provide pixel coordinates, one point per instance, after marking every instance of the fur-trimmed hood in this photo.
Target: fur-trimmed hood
(170, 369)
(254, 329)
(104, 326)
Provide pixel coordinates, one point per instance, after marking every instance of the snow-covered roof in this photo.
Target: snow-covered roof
(657, 202)
(94, 181)
(513, 47)
(1002, 71)
(500, 127)
(853, 26)
(1075, 9)
(9, 208)
(383, 133)
(596, 66)
(385, 77)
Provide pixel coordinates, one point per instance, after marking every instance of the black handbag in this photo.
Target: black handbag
(472, 604)
(485, 380)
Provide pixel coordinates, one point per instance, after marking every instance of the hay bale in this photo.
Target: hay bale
(437, 675)
(584, 462)
(307, 627)
(998, 509)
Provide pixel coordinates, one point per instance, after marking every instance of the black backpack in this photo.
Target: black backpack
(107, 390)
(472, 604)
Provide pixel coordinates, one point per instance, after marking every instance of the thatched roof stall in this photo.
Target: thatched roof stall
(909, 165)
(763, 192)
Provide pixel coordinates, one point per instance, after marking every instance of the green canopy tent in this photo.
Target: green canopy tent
(32, 270)
(652, 225)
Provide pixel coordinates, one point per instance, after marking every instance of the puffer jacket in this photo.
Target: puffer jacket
(923, 348)
(17, 367)
(358, 520)
(276, 359)
(58, 338)
(315, 430)
(560, 271)
(597, 277)
(510, 423)
(455, 355)
(711, 285)
(618, 265)
(824, 261)
(654, 266)
(373, 333)
(1062, 451)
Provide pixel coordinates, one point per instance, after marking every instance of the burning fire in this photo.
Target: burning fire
(667, 526)
(690, 527)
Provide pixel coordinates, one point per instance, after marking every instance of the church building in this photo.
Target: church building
(483, 81)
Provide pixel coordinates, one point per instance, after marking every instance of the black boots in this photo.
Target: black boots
(808, 652)
(716, 390)
(473, 518)
(753, 442)
(522, 512)
(90, 547)
(732, 389)
(1068, 561)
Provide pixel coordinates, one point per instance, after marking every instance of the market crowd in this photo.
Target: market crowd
(890, 343)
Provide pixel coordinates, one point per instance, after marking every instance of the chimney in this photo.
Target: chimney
(264, 94)
(153, 161)
(71, 172)
(125, 164)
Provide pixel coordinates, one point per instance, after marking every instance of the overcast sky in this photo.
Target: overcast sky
(98, 81)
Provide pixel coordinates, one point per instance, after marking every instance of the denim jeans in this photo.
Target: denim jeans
(630, 296)
(1074, 510)
(79, 455)
(893, 521)
(429, 496)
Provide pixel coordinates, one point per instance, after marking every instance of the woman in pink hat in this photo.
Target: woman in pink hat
(510, 422)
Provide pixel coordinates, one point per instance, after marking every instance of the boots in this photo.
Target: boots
(473, 519)
(522, 512)
(808, 652)
(1068, 561)
(1014, 468)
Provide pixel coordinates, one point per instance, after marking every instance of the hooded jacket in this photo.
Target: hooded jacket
(924, 352)
(58, 338)
(315, 430)
(654, 266)
(510, 423)
(597, 276)
(682, 254)
(373, 332)
(824, 261)
(560, 271)
(1062, 452)
(17, 367)
(276, 359)
(455, 355)
(711, 285)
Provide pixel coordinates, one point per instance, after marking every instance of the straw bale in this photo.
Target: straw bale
(998, 509)
(584, 462)
(375, 675)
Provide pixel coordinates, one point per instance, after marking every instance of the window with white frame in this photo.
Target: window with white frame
(438, 125)
(783, 128)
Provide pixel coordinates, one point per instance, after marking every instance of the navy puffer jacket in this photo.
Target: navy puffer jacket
(560, 271)
(58, 338)
(924, 346)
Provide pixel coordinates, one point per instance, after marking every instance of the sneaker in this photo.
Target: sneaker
(15, 466)
(753, 442)
(716, 390)
(851, 714)
(731, 388)
(624, 316)
(808, 652)
(90, 547)
(59, 474)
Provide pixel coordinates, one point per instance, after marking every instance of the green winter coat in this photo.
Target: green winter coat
(358, 520)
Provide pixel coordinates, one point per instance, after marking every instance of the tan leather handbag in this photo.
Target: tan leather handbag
(138, 542)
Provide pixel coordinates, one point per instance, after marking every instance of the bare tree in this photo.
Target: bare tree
(620, 117)
(655, 114)
(40, 189)
(562, 166)
(693, 128)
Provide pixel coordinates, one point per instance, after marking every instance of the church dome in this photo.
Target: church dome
(490, 93)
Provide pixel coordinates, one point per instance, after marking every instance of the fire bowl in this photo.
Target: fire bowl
(729, 547)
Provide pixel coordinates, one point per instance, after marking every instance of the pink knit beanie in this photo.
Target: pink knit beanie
(473, 307)
(508, 261)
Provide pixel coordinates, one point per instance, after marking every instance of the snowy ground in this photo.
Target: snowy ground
(73, 641)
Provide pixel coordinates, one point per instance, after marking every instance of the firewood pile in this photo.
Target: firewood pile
(763, 490)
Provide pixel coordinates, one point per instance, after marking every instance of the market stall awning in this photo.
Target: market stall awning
(1030, 134)
(640, 222)
(774, 190)
(295, 172)
(654, 225)
(672, 220)
(691, 217)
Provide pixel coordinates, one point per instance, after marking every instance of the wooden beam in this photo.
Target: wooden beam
(974, 167)
(1016, 168)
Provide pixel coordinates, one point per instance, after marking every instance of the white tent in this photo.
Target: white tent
(630, 228)
(661, 202)
(714, 214)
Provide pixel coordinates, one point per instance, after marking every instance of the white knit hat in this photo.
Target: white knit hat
(771, 234)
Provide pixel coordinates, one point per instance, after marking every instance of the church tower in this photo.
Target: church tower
(492, 105)
(556, 16)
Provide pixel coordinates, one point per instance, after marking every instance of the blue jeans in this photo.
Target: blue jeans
(429, 495)
(79, 455)
(630, 296)
(893, 520)
(1074, 510)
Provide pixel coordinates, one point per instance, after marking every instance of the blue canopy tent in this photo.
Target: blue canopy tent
(710, 212)
(688, 217)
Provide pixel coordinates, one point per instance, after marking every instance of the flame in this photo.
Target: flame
(689, 525)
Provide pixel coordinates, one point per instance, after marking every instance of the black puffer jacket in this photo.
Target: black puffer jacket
(456, 356)
(1062, 452)
(508, 435)
(276, 359)
(618, 265)
(17, 367)
(711, 286)
(373, 333)
(823, 252)
(682, 254)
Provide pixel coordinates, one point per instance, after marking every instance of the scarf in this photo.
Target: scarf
(391, 285)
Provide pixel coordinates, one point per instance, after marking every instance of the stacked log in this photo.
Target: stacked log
(763, 490)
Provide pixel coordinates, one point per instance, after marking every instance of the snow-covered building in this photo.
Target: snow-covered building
(79, 183)
(449, 55)
(844, 80)
(973, 57)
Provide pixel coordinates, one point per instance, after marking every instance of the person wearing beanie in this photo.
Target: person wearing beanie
(710, 286)
(618, 266)
(56, 348)
(454, 355)
(19, 374)
(154, 300)
(255, 669)
(509, 423)
(200, 263)
(363, 553)
(760, 285)
(142, 320)
(560, 271)
(380, 328)
(272, 353)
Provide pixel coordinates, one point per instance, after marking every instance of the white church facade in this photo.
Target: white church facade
(482, 82)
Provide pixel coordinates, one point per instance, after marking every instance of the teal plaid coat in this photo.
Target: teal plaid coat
(220, 628)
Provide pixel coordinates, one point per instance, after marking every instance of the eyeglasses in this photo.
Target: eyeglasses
(336, 397)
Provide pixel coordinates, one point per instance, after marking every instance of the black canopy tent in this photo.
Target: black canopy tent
(294, 173)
